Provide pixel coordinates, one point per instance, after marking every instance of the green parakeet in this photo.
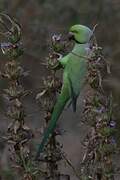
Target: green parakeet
(75, 70)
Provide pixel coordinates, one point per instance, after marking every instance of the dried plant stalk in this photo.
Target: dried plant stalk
(99, 144)
(47, 97)
(19, 134)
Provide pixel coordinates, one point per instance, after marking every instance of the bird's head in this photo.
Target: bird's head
(80, 34)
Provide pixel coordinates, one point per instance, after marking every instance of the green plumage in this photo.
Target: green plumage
(75, 70)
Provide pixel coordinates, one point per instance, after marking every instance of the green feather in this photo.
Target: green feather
(58, 108)
(75, 70)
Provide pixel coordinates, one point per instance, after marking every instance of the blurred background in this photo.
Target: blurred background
(42, 18)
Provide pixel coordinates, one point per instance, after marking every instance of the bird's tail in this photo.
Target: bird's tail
(59, 106)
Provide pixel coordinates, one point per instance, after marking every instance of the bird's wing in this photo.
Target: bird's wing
(76, 69)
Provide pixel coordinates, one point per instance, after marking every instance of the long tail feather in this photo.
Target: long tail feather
(59, 106)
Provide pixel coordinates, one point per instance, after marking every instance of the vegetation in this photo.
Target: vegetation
(102, 97)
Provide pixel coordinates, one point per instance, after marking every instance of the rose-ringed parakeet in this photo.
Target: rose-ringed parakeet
(74, 73)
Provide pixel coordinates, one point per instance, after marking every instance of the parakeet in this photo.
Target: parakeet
(74, 72)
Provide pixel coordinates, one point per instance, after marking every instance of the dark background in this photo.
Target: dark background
(42, 18)
(39, 20)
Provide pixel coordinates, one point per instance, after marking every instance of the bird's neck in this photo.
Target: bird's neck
(81, 48)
